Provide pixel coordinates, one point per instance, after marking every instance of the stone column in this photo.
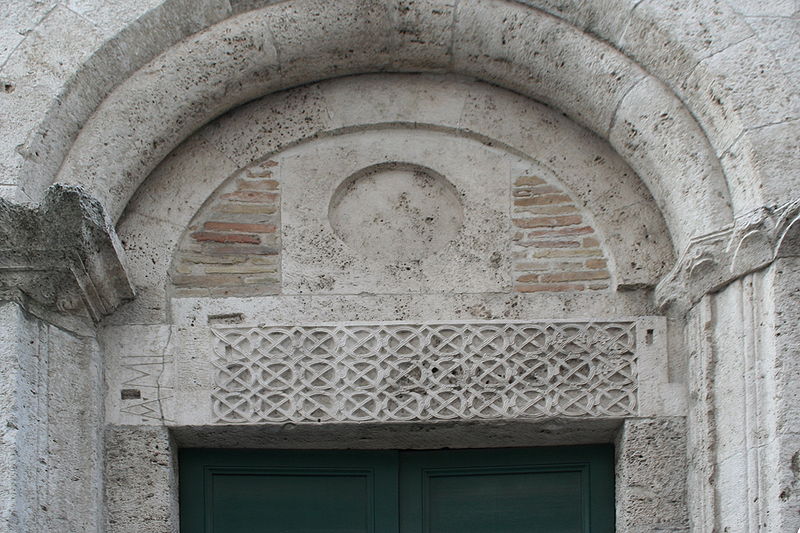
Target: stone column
(740, 288)
(60, 271)
(782, 392)
(23, 419)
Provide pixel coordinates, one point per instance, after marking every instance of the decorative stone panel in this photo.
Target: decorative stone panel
(232, 247)
(434, 371)
(555, 248)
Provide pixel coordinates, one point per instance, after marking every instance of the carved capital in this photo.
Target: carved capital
(63, 257)
(712, 261)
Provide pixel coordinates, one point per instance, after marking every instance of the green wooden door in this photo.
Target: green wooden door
(547, 490)
(515, 490)
(253, 491)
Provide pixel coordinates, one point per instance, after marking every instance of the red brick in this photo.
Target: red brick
(539, 222)
(251, 196)
(561, 231)
(531, 267)
(212, 248)
(543, 243)
(548, 209)
(545, 189)
(547, 287)
(258, 172)
(528, 278)
(203, 236)
(245, 209)
(257, 185)
(596, 263)
(583, 275)
(209, 259)
(207, 280)
(240, 227)
(544, 199)
(590, 242)
(528, 180)
(565, 253)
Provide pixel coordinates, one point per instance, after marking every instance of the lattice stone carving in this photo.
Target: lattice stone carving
(434, 371)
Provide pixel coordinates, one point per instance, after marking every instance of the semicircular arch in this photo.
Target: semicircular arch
(289, 44)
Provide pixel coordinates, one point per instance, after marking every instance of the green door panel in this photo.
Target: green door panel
(236, 491)
(530, 490)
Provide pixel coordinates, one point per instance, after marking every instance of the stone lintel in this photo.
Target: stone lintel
(714, 260)
(62, 259)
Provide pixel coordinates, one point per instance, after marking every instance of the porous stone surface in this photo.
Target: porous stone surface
(62, 257)
(232, 372)
(396, 211)
(52, 424)
(651, 465)
(606, 217)
(512, 64)
(141, 480)
(690, 31)
(400, 436)
(782, 397)
(315, 260)
(714, 260)
(22, 474)
(667, 129)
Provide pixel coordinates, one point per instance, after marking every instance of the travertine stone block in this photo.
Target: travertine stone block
(651, 482)
(141, 480)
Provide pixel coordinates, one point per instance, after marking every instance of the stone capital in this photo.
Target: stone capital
(711, 261)
(62, 260)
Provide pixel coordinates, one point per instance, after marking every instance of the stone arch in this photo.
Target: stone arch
(232, 246)
(605, 191)
(709, 96)
(703, 48)
(560, 66)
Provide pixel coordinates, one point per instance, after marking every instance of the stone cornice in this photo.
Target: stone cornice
(712, 261)
(62, 259)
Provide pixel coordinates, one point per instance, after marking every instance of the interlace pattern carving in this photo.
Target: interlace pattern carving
(441, 371)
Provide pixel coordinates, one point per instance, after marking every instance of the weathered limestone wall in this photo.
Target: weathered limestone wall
(605, 213)
(102, 94)
(23, 418)
(141, 480)
(781, 408)
(52, 428)
(743, 110)
(651, 476)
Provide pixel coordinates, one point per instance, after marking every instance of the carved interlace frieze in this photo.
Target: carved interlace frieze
(714, 260)
(434, 371)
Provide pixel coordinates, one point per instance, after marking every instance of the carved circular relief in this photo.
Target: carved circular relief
(396, 212)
